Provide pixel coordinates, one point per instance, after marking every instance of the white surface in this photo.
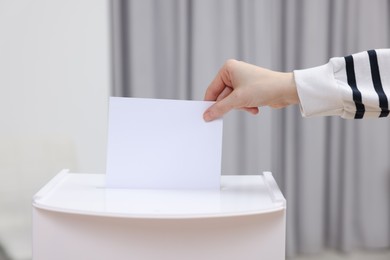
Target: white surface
(160, 144)
(242, 222)
(54, 85)
(62, 236)
(86, 194)
(55, 77)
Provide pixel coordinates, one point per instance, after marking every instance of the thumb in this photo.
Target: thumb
(219, 108)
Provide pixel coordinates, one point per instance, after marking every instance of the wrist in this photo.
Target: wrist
(290, 89)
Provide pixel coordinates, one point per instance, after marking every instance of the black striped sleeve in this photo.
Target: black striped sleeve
(356, 94)
(376, 80)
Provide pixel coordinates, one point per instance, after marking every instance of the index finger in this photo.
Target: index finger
(216, 87)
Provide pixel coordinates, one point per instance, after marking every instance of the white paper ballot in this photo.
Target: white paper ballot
(162, 144)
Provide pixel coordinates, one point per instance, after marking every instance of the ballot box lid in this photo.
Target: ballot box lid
(86, 194)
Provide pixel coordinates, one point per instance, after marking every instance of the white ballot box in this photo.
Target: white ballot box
(76, 217)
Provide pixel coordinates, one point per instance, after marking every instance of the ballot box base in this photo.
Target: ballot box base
(63, 230)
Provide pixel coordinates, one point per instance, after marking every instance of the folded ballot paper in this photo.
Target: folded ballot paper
(162, 144)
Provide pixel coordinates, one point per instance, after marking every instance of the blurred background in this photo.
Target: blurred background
(61, 60)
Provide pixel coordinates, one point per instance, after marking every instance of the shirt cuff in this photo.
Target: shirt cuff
(318, 91)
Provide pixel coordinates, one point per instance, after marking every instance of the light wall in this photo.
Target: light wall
(54, 87)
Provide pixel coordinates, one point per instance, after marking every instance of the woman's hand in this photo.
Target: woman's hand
(239, 85)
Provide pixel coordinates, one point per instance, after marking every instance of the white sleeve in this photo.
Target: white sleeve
(355, 86)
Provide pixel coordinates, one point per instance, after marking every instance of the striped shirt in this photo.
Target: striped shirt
(356, 86)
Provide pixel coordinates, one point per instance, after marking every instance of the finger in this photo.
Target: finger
(225, 92)
(216, 87)
(252, 110)
(219, 108)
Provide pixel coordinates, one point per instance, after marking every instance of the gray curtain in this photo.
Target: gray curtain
(334, 173)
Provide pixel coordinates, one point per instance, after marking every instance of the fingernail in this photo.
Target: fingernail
(207, 116)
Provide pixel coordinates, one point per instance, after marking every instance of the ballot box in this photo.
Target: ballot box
(76, 217)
